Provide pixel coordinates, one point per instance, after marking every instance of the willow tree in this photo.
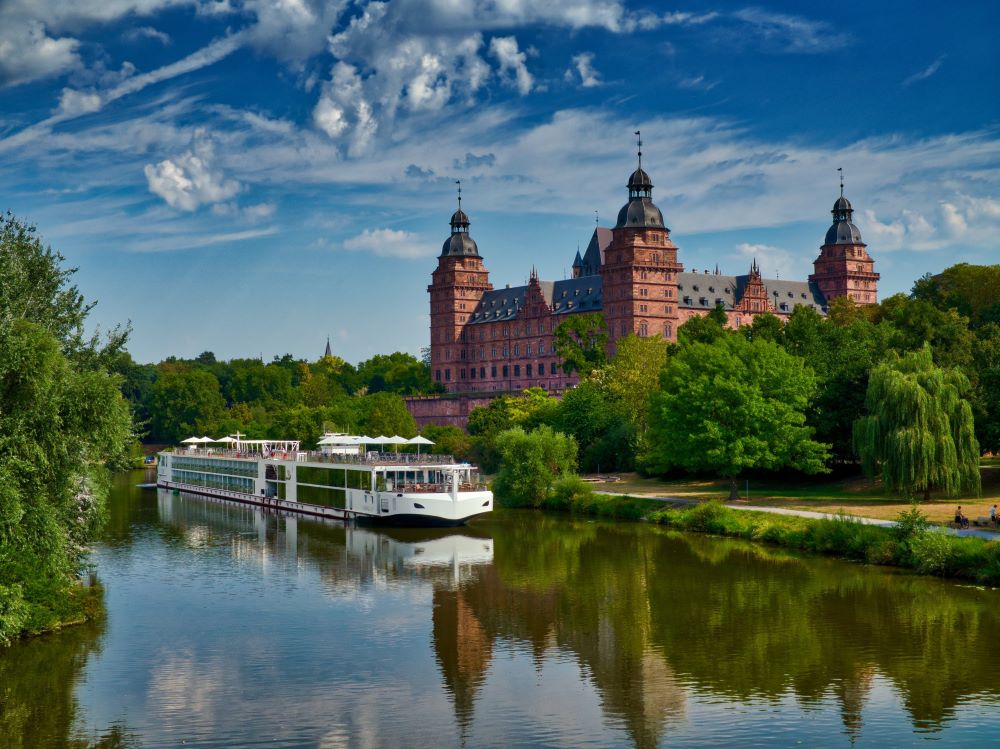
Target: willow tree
(919, 432)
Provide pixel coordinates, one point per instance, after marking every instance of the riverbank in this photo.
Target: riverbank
(911, 543)
(848, 495)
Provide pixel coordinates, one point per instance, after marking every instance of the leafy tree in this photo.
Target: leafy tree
(581, 342)
(703, 328)
(397, 373)
(971, 290)
(733, 405)
(531, 463)
(532, 408)
(632, 376)
(386, 414)
(448, 440)
(62, 417)
(491, 419)
(915, 322)
(986, 398)
(766, 327)
(919, 433)
(184, 401)
(252, 382)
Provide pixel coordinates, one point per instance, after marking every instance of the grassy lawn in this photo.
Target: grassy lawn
(854, 496)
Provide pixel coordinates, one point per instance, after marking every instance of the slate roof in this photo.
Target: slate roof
(567, 296)
(706, 290)
(593, 257)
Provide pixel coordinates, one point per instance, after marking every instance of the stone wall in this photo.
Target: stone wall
(446, 410)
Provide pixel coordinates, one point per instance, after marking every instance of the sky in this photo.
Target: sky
(249, 177)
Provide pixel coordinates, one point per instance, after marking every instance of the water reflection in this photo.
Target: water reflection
(229, 625)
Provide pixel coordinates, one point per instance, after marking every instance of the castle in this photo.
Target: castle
(485, 341)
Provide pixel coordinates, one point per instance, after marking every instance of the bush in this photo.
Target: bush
(530, 464)
(931, 552)
(568, 491)
(910, 523)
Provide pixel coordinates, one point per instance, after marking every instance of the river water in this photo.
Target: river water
(227, 627)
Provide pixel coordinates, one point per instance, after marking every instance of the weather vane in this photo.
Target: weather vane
(841, 170)
(639, 141)
(459, 183)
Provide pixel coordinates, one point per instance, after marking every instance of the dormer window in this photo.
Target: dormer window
(576, 292)
(564, 295)
(695, 287)
(711, 289)
(791, 295)
(590, 290)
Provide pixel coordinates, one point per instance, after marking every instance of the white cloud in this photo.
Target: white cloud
(189, 180)
(927, 72)
(389, 243)
(260, 211)
(774, 262)
(28, 53)
(75, 103)
(781, 32)
(584, 64)
(147, 32)
(512, 61)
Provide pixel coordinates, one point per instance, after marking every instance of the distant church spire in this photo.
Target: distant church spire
(329, 351)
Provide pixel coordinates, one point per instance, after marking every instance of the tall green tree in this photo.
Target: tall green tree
(919, 433)
(703, 328)
(734, 405)
(184, 401)
(581, 343)
(62, 418)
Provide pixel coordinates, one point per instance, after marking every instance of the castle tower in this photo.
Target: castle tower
(640, 267)
(844, 267)
(457, 285)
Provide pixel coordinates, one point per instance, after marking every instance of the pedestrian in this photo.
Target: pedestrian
(994, 517)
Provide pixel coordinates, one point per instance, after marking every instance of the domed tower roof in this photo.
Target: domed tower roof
(843, 230)
(459, 243)
(640, 211)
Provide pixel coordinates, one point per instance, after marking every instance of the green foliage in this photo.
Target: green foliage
(910, 523)
(448, 440)
(919, 433)
(530, 464)
(184, 401)
(931, 552)
(733, 405)
(704, 329)
(632, 376)
(396, 373)
(581, 342)
(385, 413)
(62, 417)
(971, 290)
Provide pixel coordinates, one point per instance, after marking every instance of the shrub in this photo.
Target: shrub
(910, 523)
(931, 552)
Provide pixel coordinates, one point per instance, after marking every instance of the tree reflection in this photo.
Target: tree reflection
(38, 707)
(653, 615)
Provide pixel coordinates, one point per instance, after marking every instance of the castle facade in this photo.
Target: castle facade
(487, 340)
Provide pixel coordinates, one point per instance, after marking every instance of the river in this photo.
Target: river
(227, 627)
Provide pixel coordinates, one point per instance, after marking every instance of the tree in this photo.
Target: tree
(581, 342)
(764, 327)
(531, 463)
(184, 401)
(633, 375)
(396, 372)
(919, 433)
(703, 328)
(385, 413)
(734, 405)
(448, 440)
(62, 417)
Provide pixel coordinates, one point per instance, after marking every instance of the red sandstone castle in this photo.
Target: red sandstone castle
(486, 340)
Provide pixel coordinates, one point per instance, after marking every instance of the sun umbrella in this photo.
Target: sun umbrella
(191, 440)
(418, 441)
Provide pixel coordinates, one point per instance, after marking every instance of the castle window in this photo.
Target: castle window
(703, 302)
(527, 328)
(482, 373)
(437, 375)
(791, 295)
(482, 353)
(643, 329)
(462, 354)
(517, 370)
(623, 328)
(527, 349)
(725, 290)
(803, 295)
(505, 350)
(493, 372)
(493, 353)
(718, 300)
(527, 370)
(517, 349)
(687, 300)
(642, 275)
(506, 331)
(472, 373)
(506, 369)
(447, 375)
(739, 321)
(668, 330)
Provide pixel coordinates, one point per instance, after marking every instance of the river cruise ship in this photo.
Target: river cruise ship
(345, 479)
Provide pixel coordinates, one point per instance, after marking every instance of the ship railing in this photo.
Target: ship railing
(444, 488)
(370, 458)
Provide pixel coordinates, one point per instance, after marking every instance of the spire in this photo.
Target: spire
(459, 219)
(638, 136)
(459, 183)
(841, 170)
(329, 351)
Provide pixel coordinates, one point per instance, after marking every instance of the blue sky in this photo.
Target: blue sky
(250, 176)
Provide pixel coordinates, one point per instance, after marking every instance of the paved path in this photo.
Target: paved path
(975, 532)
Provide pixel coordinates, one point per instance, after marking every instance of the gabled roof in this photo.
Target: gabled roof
(706, 290)
(570, 295)
(593, 258)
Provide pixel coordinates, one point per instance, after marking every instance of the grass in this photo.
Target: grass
(853, 495)
(912, 545)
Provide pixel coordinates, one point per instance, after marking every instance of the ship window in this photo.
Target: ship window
(418, 506)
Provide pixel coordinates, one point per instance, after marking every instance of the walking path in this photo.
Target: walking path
(974, 532)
